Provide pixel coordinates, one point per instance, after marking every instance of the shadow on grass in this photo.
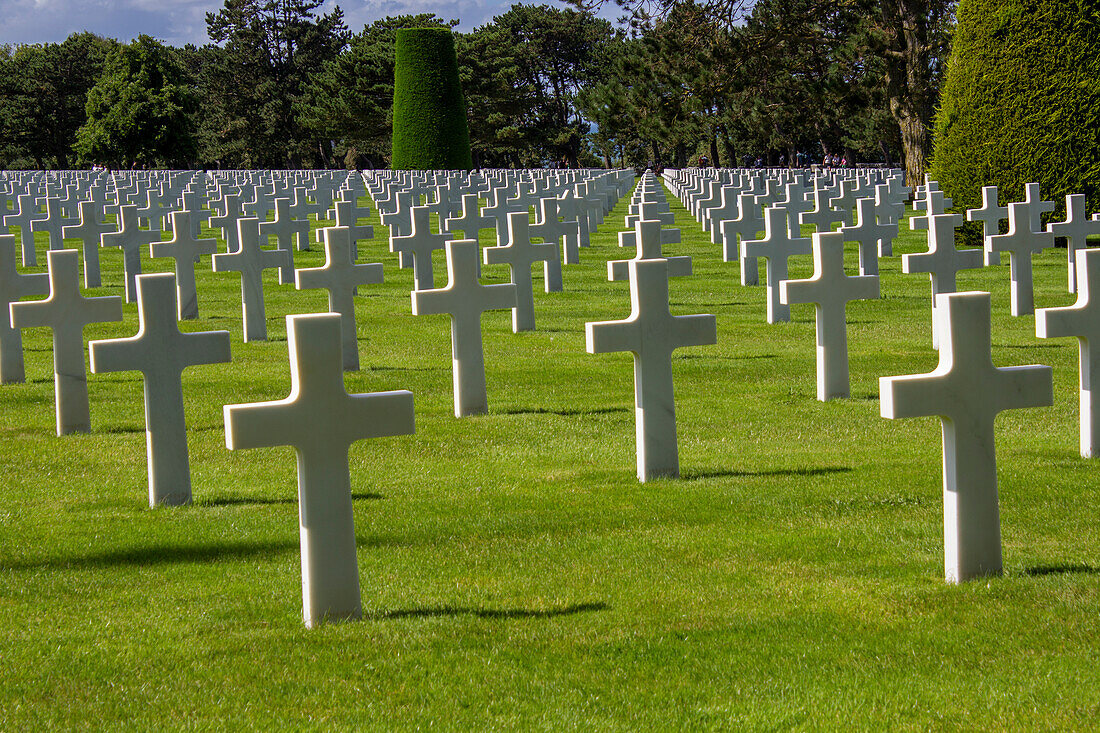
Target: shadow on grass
(565, 412)
(158, 555)
(491, 613)
(1037, 571)
(1029, 346)
(264, 501)
(822, 471)
(383, 368)
(726, 358)
(706, 305)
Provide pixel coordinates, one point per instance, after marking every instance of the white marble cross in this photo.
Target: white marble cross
(942, 261)
(130, 239)
(648, 237)
(285, 229)
(519, 254)
(54, 223)
(572, 208)
(153, 212)
(934, 203)
(990, 215)
(745, 227)
(320, 420)
(1036, 206)
(657, 210)
(796, 205)
(551, 229)
(340, 276)
(966, 392)
(161, 352)
(1021, 243)
(830, 289)
(873, 239)
(1077, 228)
(824, 215)
(419, 244)
(194, 202)
(23, 218)
(470, 222)
(89, 231)
(185, 250)
(464, 300)
(1081, 320)
(14, 286)
(776, 248)
(232, 212)
(889, 209)
(66, 312)
(652, 333)
(250, 260)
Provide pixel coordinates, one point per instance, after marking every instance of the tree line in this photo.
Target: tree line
(282, 84)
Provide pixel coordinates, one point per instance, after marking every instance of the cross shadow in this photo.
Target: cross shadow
(822, 471)
(265, 501)
(564, 412)
(686, 304)
(1037, 571)
(157, 555)
(717, 357)
(490, 613)
(1030, 346)
(373, 368)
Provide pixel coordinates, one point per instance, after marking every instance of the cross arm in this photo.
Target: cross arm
(914, 395)
(1060, 322)
(208, 347)
(262, 424)
(1025, 386)
(117, 355)
(604, 337)
(391, 413)
(696, 330)
(433, 302)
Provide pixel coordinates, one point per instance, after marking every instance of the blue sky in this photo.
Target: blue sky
(184, 21)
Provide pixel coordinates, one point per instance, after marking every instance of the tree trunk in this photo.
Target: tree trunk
(910, 82)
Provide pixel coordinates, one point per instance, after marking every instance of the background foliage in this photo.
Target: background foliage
(429, 124)
(1021, 102)
(284, 84)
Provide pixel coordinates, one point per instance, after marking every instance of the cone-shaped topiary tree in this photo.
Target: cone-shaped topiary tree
(429, 111)
(1021, 101)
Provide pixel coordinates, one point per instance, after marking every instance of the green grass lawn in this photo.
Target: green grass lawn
(514, 572)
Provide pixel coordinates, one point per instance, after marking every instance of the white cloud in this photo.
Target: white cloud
(50, 21)
(184, 21)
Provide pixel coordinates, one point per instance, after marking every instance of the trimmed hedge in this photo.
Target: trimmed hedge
(429, 111)
(1021, 102)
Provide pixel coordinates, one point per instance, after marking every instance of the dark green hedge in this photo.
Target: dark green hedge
(429, 111)
(1021, 101)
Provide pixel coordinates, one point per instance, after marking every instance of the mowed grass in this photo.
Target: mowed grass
(515, 574)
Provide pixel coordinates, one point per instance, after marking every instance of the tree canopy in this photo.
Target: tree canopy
(140, 110)
(283, 83)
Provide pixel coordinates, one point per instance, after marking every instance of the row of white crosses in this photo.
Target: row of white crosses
(966, 391)
(651, 333)
(330, 585)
